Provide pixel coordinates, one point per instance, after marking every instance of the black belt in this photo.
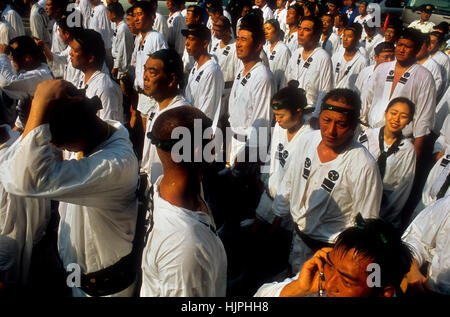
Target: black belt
(228, 84)
(313, 244)
(240, 137)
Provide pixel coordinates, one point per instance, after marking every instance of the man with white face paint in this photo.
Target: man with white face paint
(311, 65)
(349, 62)
(405, 78)
(205, 84)
(336, 178)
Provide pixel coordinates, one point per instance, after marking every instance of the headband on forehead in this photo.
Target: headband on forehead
(165, 145)
(346, 111)
(278, 105)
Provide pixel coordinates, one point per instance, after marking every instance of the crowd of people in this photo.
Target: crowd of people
(328, 138)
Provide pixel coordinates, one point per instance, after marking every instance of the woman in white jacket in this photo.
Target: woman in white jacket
(395, 155)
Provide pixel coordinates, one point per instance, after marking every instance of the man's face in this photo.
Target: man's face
(335, 127)
(291, 17)
(337, 22)
(327, 23)
(362, 9)
(155, 80)
(77, 58)
(349, 40)
(171, 6)
(424, 16)
(389, 35)
(245, 45)
(194, 45)
(434, 44)
(348, 3)
(130, 23)
(219, 30)
(332, 7)
(306, 37)
(345, 274)
(404, 51)
(423, 52)
(49, 8)
(384, 57)
(65, 37)
(269, 32)
(142, 21)
(191, 18)
(260, 3)
(281, 3)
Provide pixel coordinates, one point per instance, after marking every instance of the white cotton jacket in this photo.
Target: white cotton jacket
(39, 24)
(332, 44)
(160, 25)
(399, 174)
(57, 47)
(122, 47)
(345, 72)
(416, 84)
(291, 41)
(429, 238)
(23, 219)
(101, 85)
(175, 23)
(99, 22)
(324, 198)
(444, 60)
(205, 88)
(5, 33)
(183, 256)
(97, 194)
(278, 60)
(315, 75)
(14, 20)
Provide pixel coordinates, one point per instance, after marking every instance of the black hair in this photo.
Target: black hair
(356, 28)
(130, 11)
(253, 24)
(198, 11)
(91, 43)
(440, 37)
(146, 7)
(381, 242)
(414, 36)
(298, 9)
(226, 22)
(343, 17)
(348, 97)
(384, 46)
(26, 45)
(116, 8)
(187, 117)
(318, 25)
(215, 6)
(172, 63)
(291, 98)
(311, 7)
(68, 121)
(405, 100)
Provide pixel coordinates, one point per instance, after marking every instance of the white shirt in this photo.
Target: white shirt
(346, 72)
(99, 22)
(101, 85)
(39, 24)
(417, 84)
(205, 88)
(122, 47)
(291, 41)
(5, 33)
(71, 74)
(22, 84)
(175, 23)
(57, 47)
(21, 218)
(267, 12)
(315, 75)
(442, 143)
(364, 78)
(97, 194)
(444, 60)
(280, 15)
(14, 20)
(160, 25)
(331, 45)
(151, 164)
(227, 60)
(442, 111)
(429, 238)
(398, 177)
(324, 198)
(425, 27)
(183, 255)
(84, 6)
(435, 70)
(249, 105)
(370, 45)
(278, 60)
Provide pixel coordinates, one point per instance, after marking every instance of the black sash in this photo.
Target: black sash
(385, 154)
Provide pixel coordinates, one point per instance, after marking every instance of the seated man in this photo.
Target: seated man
(372, 245)
(96, 190)
(183, 255)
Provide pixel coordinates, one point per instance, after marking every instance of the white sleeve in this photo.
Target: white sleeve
(5, 33)
(367, 190)
(210, 98)
(38, 28)
(124, 51)
(30, 168)
(111, 98)
(274, 289)
(367, 97)
(324, 84)
(16, 85)
(15, 21)
(421, 234)
(425, 107)
(279, 71)
(281, 202)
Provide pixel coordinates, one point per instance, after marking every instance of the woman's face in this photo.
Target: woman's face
(397, 117)
(286, 119)
(270, 33)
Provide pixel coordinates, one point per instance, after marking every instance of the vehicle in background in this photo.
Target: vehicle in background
(441, 12)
